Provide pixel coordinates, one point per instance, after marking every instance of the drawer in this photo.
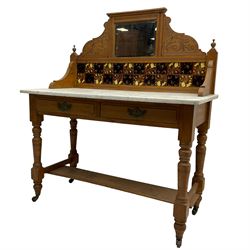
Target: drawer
(143, 114)
(64, 107)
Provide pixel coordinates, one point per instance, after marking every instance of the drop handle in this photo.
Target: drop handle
(136, 112)
(64, 106)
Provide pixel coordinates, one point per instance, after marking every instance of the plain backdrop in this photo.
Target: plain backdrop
(35, 45)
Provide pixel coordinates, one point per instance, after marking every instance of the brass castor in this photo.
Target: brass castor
(178, 242)
(195, 210)
(35, 198)
(71, 180)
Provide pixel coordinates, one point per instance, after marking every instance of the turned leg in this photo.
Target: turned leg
(37, 171)
(73, 155)
(200, 158)
(181, 206)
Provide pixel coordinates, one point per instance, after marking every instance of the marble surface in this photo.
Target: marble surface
(138, 96)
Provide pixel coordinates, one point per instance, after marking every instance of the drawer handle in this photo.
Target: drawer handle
(136, 112)
(64, 106)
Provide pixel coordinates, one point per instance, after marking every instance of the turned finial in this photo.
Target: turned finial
(213, 44)
(74, 48)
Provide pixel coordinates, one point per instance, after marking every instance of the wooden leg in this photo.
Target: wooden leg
(186, 137)
(73, 155)
(37, 171)
(181, 206)
(200, 158)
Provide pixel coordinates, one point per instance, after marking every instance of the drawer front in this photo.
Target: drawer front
(143, 114)
(67, 108)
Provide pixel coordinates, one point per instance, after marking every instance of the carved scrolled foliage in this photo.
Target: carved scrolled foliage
(100, 46)
(178, 43)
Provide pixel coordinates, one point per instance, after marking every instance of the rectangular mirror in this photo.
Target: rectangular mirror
(135, 39)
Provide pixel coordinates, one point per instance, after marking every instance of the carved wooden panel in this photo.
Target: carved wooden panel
(178, 43)
(100, 46)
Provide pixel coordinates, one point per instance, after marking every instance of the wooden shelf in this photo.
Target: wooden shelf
(130, 186)
(135, 187)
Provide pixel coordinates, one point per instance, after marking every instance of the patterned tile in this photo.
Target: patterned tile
(98, 68)
(118, 68)
(174, 68)
(89, 78)
(186, 68)
(80, 67)
(161, 68)
(89, 68)
(108, 79)
(149, 80)
(197, 80)
(128, 68)
(108, 68)
(173, 80)
(150, 68)
(139, 68)
(185, 80)
(128, 79)
(199, 68)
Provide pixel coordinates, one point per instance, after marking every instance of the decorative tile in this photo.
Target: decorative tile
(199, 68)
(161, 68)
(139, 68)
(98, 78)
(89, 78)
(107, 78)
(185, 80)
(117, 79)
(138, 80)
(108, 68)
(80, 77)
(161, 80)
(173, 80)
(149, 80)
(128, 68)
(128, 79)
(150, 68)
(198, 80)
(81, 68)
(174, 68)
(89, 68)
(118, 68)
(187, 68)
(98, 68)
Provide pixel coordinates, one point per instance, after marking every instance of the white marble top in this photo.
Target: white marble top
(122, 95)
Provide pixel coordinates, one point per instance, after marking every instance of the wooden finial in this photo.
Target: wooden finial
(74, 48)
(213, 44)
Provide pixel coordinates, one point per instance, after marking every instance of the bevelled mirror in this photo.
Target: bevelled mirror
(134, 39)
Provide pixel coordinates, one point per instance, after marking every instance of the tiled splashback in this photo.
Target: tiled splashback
(176, 74)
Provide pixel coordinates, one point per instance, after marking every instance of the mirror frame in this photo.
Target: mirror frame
(136, 17)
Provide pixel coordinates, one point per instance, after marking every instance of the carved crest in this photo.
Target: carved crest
(98, 47)
(178, 43)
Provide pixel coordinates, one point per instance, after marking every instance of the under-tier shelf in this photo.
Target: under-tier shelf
(131, 186)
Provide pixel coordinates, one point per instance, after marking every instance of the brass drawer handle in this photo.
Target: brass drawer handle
(136, 112)
(64, 106)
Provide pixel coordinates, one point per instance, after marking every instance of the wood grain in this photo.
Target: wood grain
(135, 187)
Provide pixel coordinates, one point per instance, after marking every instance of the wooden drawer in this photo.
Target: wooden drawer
(139, 114)
(65, 107)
